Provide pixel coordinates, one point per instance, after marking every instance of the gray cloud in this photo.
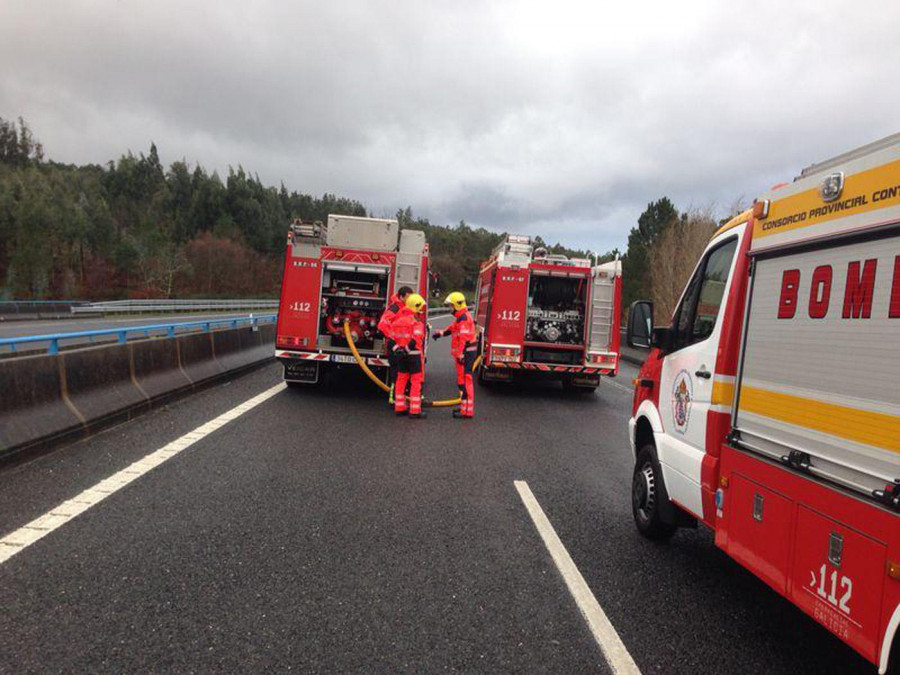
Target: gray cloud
(560, 118)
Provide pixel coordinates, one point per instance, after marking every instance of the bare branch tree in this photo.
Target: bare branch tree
(674, 255)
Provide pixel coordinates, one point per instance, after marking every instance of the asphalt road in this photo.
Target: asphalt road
(317, 532)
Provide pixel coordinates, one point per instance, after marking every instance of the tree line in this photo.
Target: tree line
(663, 251)
(134, 228)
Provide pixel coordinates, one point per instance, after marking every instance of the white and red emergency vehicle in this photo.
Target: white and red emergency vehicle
(343, 272)
(542, 315)
(769, 409)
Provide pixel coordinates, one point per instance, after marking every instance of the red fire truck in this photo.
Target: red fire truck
(343, 272)
(769, 408)
(542, 315)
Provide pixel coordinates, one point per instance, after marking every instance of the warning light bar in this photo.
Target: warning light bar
(761, 209)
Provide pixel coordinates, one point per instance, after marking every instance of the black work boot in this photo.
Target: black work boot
(458, 414)
(418, 416)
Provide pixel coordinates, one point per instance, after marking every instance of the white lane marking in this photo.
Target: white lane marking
(619, 386)
(25, 536)
(611, 644)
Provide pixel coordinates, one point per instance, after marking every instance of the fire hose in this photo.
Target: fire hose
(372, 376)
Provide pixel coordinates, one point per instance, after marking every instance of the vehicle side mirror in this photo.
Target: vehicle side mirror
(640, 325)
(663, 339)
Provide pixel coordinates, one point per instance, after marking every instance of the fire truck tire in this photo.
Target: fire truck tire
(570, 386)
(894, 659)
(303, 385)
(649, 500)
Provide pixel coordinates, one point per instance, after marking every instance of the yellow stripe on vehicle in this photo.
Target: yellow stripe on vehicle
(863, 192)
(723, 393)
(854, 424)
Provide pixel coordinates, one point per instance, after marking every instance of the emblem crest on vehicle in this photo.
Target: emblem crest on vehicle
(682, 397)
(833, 186)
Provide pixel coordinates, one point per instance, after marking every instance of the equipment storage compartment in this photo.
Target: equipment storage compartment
(837, 578)
(760, 521)
(818, 382)
(371, 234)
(556, 309)
(356, 293)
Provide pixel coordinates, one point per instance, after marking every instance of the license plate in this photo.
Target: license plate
(586, 381)
(343, 358)
(302, 371)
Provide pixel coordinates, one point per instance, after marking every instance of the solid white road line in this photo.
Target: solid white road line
(26, 535)
(627, 390)
(611, 644)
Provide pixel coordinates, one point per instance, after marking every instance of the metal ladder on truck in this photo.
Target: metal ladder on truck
(602, 300)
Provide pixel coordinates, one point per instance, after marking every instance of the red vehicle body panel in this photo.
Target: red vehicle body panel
(506, 306)
(298, 308)
(795, 562)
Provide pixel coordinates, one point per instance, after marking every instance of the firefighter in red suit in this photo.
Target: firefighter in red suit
(396, 303)
(464, 350)
(409, 342)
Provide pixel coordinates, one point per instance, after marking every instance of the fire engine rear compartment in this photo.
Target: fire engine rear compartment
(555, 317)
(356, 293)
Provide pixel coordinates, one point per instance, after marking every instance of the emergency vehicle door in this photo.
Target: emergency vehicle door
(686, 380)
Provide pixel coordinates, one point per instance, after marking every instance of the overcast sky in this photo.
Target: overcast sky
(556, 118)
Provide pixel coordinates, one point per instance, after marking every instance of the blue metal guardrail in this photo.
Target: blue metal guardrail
(139, 306)
(170, 330)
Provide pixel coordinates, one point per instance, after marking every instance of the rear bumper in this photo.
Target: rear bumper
(325, 357)
(549, 370)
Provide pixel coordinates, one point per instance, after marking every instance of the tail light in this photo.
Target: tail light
(602, 359)
(291, 341)
(505, 354)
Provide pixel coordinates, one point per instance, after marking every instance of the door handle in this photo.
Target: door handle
(705, 374)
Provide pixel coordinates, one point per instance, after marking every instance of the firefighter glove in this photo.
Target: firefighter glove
(437, 334)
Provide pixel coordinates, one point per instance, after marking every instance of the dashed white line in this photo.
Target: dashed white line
(604, 633)
(25, 536)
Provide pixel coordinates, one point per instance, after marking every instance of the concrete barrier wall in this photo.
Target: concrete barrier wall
(47, 398)
(32, 404)
(99, 383)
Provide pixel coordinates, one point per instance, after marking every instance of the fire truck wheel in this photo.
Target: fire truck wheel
(647, 493)
(894, 659)
(569, 386)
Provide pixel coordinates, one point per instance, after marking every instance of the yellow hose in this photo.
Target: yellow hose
(360, 361)
(374, 377)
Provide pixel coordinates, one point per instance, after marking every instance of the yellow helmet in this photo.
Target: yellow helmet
(415, 302)
(456, 300)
